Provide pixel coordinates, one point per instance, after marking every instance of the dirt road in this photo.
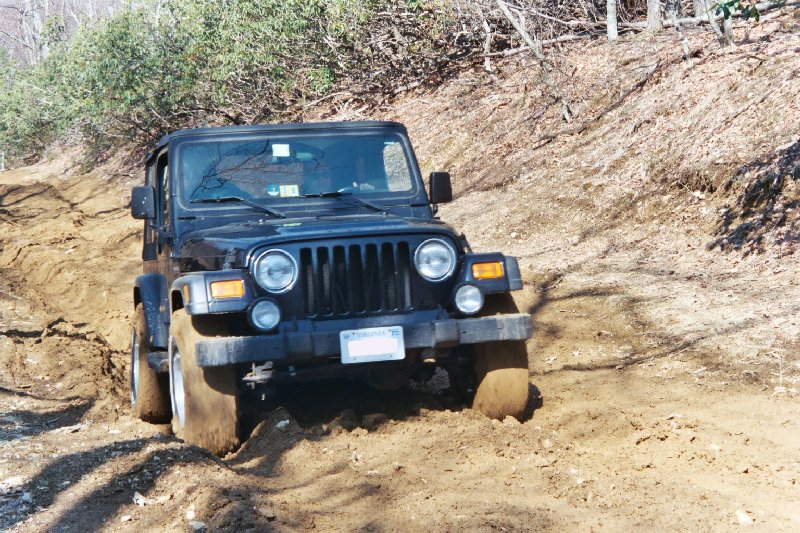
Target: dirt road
(617, 438)
(664, 372)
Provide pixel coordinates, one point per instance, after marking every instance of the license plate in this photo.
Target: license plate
(372, 344)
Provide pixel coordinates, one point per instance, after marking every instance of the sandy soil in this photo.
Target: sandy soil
(664, 368)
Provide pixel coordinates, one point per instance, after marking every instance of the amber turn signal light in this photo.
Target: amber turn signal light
(491, 270)
(227, 289)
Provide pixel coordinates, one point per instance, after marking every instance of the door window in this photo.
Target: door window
(163, 194)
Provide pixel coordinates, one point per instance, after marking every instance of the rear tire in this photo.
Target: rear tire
(205, 401)
(501, 369)
(149, 389)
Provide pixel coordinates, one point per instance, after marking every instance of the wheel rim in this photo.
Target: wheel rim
(176, 390)
(134, 366)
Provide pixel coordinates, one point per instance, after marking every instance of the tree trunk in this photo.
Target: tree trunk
(712, 21)
(673, 14)
(699, 8)
(44, 47)
(727, 26)
(611, 19)
(654, 15)
(487, 47)
(673, 9)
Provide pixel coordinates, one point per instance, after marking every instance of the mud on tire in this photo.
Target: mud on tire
(205, 401)
(501, 369)
(149, 390)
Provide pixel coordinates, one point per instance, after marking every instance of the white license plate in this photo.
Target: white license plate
(372, 344)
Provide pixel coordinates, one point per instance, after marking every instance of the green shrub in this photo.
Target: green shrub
(32, 112)
(136, 75)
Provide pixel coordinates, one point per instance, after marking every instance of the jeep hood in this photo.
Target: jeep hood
(228, 245)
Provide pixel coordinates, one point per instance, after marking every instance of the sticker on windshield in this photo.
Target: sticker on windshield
(290, 191)
(281, 150)
(273, 189)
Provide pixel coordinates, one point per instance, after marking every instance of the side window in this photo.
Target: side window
(149, 250)
(394, 161)
(162, 188)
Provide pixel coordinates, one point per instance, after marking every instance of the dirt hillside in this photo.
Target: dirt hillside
(658, 232)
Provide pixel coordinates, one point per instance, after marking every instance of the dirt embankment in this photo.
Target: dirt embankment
(679, 199)
(667, 367)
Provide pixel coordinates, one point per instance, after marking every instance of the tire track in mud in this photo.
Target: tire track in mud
(57, 356)
(60, 244)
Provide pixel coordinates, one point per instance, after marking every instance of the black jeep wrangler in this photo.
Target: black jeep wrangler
(280, 253)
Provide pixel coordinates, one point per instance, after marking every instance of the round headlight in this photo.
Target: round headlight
(435, 260)
(265, 315)
(468, 299)
(275, 271)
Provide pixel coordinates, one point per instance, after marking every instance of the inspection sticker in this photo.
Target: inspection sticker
(290, 191)
(281, 150)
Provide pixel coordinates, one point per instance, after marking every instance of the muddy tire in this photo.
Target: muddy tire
(149, 389)
(205, 401)
(501, 369)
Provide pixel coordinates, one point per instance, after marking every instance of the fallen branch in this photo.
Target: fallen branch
(326, 97)
(770, 16)
(545, 42)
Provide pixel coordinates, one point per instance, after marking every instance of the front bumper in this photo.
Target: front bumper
(420, 330)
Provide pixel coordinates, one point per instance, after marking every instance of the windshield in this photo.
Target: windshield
(275, 169)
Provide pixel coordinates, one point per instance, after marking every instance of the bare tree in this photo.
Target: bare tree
(672, 12)
(654, 15)
(24, 23)
(700, 8)
(611, 20)
(536, 48)
(673, 9)
(712, 21)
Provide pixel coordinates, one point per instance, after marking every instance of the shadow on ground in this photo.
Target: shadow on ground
(765, 212)
(22, 423)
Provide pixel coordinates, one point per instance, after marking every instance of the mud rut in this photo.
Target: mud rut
(614, 439)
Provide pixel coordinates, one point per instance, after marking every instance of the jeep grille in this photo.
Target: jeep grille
(358, 278)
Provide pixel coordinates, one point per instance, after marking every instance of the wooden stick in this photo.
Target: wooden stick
(536, 49)
(562, 39)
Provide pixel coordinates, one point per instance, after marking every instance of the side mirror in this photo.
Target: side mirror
(143, 205)
(441, 188)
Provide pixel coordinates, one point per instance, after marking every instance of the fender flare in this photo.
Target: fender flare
(151, 291)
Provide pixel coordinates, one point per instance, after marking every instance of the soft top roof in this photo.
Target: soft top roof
(300, 126)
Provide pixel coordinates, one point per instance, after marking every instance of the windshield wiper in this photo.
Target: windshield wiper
(245, 201)
(350, 196)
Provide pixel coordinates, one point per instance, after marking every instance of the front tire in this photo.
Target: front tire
(149, 389)
(205, 401)
(501, 369)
